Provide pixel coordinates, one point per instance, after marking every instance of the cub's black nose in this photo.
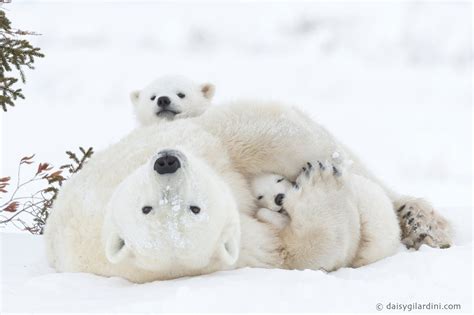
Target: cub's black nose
(279, 199)
(164, 101)
(167, 164)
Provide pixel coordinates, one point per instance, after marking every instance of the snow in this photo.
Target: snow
(392, 80)
(428, 275)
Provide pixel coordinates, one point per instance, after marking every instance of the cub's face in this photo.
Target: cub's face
(174, 216)
(269, 190)
(171, 97)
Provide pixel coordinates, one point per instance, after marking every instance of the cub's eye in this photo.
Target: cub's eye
(181, 95)
(259, 197)
(195, 209)
(280, 180)
(146, 209)
(153, 97)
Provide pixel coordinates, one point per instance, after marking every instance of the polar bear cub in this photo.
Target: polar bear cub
(171, 97)
(269, 191)
(350, 235)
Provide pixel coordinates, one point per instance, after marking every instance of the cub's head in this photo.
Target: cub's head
(174, 216)
(269, 190)
(171, 97)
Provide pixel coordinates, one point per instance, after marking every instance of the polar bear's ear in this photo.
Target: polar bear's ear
(134, 97)
(116, 249)
(208, 90)
(230, 247)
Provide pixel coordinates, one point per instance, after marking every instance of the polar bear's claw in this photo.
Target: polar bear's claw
(335, 171)
(325, 173)
(306, 171)
(321, 165)
(307, 168)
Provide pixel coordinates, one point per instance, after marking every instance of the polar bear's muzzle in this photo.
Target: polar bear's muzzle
(168, 162)
(166, 108)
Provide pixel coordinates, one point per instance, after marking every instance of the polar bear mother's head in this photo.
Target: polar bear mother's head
(174, 216)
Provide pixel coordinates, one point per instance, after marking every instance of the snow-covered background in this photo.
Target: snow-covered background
(393, 80)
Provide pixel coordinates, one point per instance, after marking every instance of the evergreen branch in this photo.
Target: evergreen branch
(15, 54)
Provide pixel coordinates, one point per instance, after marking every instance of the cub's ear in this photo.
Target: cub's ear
(208, 90)
(134, 97)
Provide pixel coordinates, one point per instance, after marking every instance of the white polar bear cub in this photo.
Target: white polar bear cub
(350, 235)
(171, 97)
(270, 190)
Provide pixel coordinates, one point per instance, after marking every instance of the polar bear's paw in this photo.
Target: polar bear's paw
(322, 173)
(320, 187)
(420, 224)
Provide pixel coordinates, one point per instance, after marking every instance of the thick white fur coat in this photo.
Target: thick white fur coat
(236, 142)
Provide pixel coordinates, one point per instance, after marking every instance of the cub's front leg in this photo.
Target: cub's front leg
(324, 227)
(274, 218)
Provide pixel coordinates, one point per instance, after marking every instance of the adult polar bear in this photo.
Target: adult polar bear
(231, 145)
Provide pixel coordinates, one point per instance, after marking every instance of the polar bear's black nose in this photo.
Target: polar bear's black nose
(163, 101)
(279, 199)
(167, 164)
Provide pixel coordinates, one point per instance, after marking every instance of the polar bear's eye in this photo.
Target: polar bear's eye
(146, 209)
(153, 97)
(180, 95)
(195, 209)
(259, 197)
(280, 180)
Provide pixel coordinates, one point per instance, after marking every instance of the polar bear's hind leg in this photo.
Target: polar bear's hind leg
(420, 224)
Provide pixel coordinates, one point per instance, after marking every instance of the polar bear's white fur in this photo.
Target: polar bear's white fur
(171, 97)
(364, 232)
(234, 143)
(363, 228)
(269, 191)
(173, 220)
(279, 130)
(98, 224)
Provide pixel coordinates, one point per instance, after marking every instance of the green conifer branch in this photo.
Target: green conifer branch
(15, 54)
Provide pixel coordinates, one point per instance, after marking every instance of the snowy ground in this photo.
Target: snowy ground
(392, 80)
(427, 276)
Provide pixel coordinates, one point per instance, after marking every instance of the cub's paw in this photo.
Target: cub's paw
(278, 219)
(420, 224)
(320, 174)
(320, 187)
